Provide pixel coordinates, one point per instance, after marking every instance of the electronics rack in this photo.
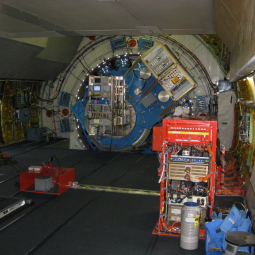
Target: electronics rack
(187, 172)
(107, 112)
(168, 70)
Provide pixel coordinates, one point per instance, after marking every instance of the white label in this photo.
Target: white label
(96, 121)
(176, 211)
(190, 219)
(137, 91)
(35, 168)
(232, 221)
(190, 215)
(175, 218)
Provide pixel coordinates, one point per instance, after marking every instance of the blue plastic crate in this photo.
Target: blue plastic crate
(201, 103)
(22, 115)
(64, 125)
(118, 43)
(146, 44)
(64, 99)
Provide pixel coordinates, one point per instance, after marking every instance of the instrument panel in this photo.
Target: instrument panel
(168, 70)
(107, 111)
(158, 60)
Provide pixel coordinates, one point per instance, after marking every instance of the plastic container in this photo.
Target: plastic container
(190, 226)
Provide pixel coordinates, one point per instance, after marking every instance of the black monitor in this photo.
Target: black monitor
(97, 80)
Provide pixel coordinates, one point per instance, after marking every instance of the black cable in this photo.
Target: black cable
(86, 64)
(57, 161)
(43, 99)
(83, 65)
(137, 76)
(16, 172)
(58, 89)
(140, 79)
(76, 77)
(143, 84)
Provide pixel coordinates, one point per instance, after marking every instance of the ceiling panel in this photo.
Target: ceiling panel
(11, 25)
(181, 14)
(122, 15)
(19, 61)
(109, 32)
(60, 49)
(236, 8)
(30, 34)
(187, 31)
(79, 15)
(225, 23)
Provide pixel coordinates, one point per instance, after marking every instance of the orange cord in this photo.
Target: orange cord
(231, 168)
(170, 229)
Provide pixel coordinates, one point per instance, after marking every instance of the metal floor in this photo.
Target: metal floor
(85, 221)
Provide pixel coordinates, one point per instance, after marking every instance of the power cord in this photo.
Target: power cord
(51, 159)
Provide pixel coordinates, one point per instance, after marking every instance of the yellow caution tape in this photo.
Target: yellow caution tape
(188, 133)
(117, 190)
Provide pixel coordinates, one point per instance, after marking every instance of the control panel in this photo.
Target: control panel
(176, 82)
(107, 111)
(168, 70)
(158, 60)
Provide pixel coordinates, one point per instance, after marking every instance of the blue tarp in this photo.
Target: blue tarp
(216, 236)
(234, 216)
(218, 228)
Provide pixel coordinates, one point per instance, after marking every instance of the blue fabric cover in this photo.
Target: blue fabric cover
(215, 216)
(233, 217)
(218, 228)
(215, 234)
(242, 225)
